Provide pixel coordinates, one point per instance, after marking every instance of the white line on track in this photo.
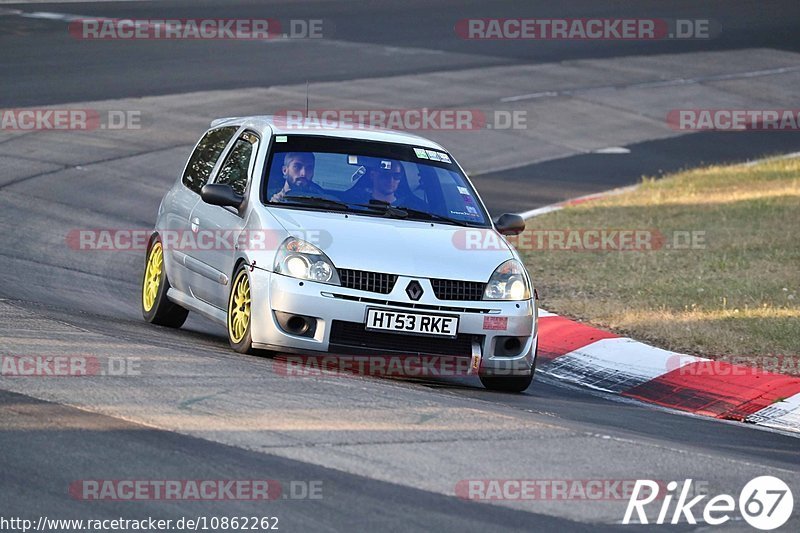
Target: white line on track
(776, 158)
(49, 15)
(559, 206)
(612, 150)
(67, 17)
(71, 1)
(657, 83)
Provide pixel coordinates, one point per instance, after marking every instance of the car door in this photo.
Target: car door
(183, 199)
(218, 228)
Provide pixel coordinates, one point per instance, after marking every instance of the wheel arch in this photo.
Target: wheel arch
(169, 268)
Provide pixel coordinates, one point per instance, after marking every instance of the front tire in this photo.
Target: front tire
(511, 383)
(239, 318)
(156, 307)
(507, 383)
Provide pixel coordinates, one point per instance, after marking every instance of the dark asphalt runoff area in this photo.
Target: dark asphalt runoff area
(388, 453)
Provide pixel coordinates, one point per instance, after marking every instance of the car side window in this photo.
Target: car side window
(205, 157)
(236, 169)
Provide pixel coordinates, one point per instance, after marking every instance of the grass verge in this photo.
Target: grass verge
(712, 266)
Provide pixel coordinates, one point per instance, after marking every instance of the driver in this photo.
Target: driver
(298, 173)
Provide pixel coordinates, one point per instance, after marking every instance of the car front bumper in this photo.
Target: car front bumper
(483, 327)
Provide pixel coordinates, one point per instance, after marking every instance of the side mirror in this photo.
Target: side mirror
(221, 194)
(509, 224)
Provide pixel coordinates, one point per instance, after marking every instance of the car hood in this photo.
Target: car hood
(395, 246)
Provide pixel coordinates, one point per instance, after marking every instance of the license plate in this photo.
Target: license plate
(413, 323)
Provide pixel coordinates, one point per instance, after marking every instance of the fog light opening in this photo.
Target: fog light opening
(300, 325)
(297, 325)
(511, 345)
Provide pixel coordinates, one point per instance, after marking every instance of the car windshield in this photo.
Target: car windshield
(370, 178)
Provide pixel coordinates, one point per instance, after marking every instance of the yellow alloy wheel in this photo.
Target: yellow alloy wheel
(239, 308)
(152, 276)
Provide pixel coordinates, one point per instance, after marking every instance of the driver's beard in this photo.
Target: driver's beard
(300, 183)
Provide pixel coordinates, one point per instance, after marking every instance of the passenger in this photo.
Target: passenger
(388, 185)
(298, 173)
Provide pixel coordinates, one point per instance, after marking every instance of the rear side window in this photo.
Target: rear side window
(236, 169)
(205, 157)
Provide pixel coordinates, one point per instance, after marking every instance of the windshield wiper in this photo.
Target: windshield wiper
(433, 216)
(384, 208)
(375, 206)
(404, 212)
(314, 201)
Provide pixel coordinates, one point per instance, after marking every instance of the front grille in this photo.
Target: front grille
(352, 337)
(448, 289)
(414, 305)
(367, 281)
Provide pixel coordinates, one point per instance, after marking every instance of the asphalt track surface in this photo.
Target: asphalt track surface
(389, 453)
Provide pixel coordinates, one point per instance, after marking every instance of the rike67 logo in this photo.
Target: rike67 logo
(765, 503)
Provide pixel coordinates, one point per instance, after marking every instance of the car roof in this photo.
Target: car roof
(278, 126)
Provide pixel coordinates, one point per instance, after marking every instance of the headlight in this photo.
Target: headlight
(300, 259)
(508, 282)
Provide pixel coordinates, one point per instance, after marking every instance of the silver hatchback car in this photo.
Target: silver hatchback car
(342, 240)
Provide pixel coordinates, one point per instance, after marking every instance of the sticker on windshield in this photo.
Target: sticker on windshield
(433, 155)
(280, 138)
(471, 210)
(352, 159)
(463, 190)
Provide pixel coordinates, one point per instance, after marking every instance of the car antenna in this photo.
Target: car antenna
(306, 98)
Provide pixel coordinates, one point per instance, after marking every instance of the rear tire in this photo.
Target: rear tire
(156, 307)
(238, 312)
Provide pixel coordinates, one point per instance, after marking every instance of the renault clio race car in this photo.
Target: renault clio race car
(344, 240)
